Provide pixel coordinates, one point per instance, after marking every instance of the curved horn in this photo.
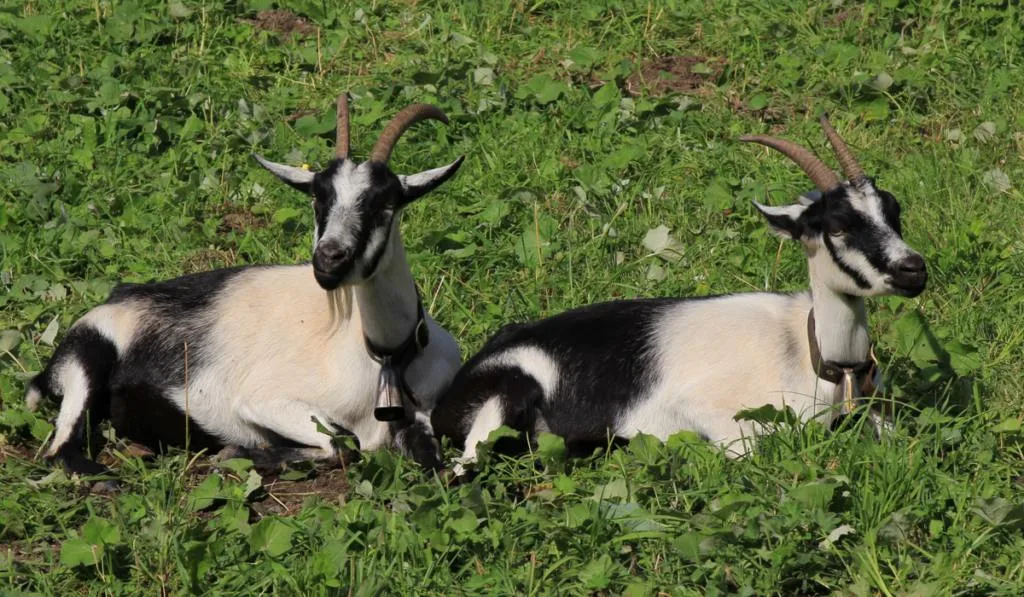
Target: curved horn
(822, 176)
(407, 117)
(849, 163)
(341, 139)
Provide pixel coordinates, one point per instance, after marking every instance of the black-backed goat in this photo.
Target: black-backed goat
(659, 366)
(254, 357)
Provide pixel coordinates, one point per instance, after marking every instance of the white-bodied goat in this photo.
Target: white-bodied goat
(255, 357)
(659, 366)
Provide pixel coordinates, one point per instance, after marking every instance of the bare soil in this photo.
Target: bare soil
(674, 74)
(282, 22)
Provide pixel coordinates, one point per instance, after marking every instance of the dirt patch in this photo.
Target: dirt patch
(236, 218)
(675, 74)
(841, 17)
(15, 451)
(282, 22)
(241, 221)
(205, 260)
(30, 552)
(287, 497)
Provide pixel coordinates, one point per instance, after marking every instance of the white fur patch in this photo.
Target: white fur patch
(486, 419)
(72, 382)
(32, 398)
(533, 361)
(116, 322)
(708, 374)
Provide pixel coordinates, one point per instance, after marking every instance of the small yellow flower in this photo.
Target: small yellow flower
(305, 166)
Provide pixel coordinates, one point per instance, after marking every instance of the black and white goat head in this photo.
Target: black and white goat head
(255, 358)
(659, 366)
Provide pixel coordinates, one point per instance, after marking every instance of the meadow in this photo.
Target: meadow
(601, 162)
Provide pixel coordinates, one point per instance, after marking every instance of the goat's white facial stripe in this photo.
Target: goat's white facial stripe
(343, 217)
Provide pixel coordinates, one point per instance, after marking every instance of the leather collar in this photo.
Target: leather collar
(395, 361)
(861, 373)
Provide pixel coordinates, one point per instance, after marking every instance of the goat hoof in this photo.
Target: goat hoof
(109, 487)
(229, 452)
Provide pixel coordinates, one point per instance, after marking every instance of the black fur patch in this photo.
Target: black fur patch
(605, 359)
(143, 412)
(177, 313)
(416, 441)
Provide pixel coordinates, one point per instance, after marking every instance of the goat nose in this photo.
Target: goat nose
(330, 256)
(914, 264)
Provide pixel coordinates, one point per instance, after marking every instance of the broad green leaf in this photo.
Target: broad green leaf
(813, 495)
(178, 10)
(550, 448)
(1011, 425)
(464, 523)
(758, 101)
(767, 414)
(495, 211)
(985, 131)
(9, 339)
(717, 195)
(660, 242)
(50, 333)
(584, 57)
(206, 493)
(607, 96)
(101, 531)
(535, 242)
(483, 75)
(999, 512)
(285, 214)
(79, 552)
(615, 489)
(631, 517)
(272, 536)
(598, 573)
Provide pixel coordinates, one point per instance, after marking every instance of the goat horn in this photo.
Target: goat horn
(822, 176)
(849, 163)
(403, 120)
(341, 143)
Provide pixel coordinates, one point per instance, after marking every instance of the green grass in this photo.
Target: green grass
(125, 134)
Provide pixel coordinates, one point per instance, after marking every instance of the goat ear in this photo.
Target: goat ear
(415, 186)
(296, 177)
(784, 220)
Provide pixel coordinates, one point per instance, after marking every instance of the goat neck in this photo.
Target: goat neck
(387, 302)
(840, 319)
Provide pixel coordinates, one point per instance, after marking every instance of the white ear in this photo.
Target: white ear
(785, 219)
(297, 177)
(421, 183)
